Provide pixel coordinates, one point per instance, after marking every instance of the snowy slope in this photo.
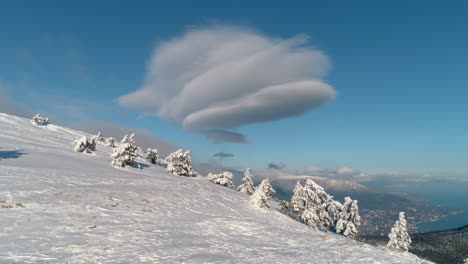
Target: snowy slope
(60, 206)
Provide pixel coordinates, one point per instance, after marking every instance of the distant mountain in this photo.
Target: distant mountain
(442, 247)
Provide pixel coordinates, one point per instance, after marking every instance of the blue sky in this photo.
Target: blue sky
(398, 69)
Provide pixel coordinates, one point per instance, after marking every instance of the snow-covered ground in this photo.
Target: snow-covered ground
(61, 206)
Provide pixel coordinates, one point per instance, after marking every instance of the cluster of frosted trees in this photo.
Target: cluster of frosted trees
(259, 196)
(314, 207)
(126, 153)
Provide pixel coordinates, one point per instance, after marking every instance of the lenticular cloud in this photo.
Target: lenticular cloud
(216, 79)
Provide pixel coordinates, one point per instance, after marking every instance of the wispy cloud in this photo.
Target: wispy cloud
(213, 80)
(223, 155)
(276, 165)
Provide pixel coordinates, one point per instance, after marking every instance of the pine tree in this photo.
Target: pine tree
(99, 137)
(180, 163)
(152, 155)
(285, 207)
(247, 186)
(110, 142)
(39, 120)
(347, 218)
(223, 179)
(264, 192)
(399, 237)
(297, 201)
(315, 213)
(126, 153)
(84, 144)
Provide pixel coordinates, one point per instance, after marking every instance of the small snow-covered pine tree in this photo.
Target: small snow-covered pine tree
(247, 186)
(84, 144)
(348, 219)
(152, 155)
(315, 213)
(399, 237)
(223, 179)
(264, 192)
(297, 201)
(99, 137)
(110, 142)
(285, 207)
(126, 153)
(39, 120)
(180, 163)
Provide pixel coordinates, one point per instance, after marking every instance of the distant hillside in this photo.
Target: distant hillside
(378, 210)
(443, 247)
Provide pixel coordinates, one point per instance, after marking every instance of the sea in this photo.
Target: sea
(449, 194)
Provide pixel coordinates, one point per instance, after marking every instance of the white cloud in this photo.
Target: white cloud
(213, 80)
(307, 170)
(346, 171)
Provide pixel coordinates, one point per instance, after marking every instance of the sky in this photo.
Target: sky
(376, 86)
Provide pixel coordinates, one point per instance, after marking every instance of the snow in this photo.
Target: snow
(60, 206)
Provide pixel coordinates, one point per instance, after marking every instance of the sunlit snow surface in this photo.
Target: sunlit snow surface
(60, 206)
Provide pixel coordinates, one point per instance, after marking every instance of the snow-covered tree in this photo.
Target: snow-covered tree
(152, 155)
(126, 153)
(84, 144)
(247, 186)
(347, 228)
(347, 218)
(399, 237)
(285, 207)
(39, 120)
(297, 201)
(264, 192)
(312, 205)
(127, 138)
(315, 213)
(180, 163)
(333, 208)
(223, 179)
(110, 142)
(99, 137)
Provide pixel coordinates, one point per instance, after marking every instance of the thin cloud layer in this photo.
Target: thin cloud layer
(223, 155)
(276, 165)
(214, 80)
